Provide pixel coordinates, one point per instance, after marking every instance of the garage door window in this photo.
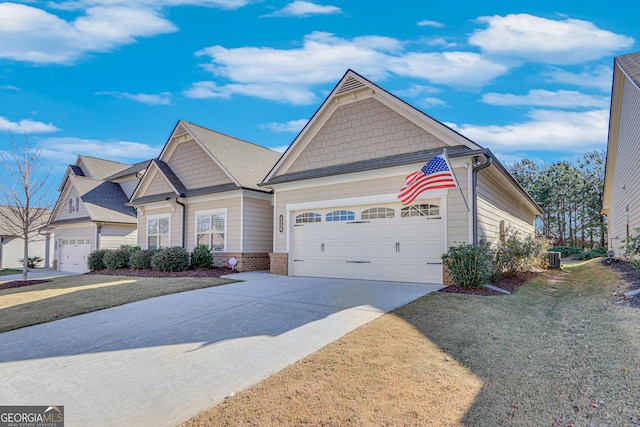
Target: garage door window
(378, 213)
(340, 215)
(157, 232)
(420, 210)
(210, 229)
(308, 217)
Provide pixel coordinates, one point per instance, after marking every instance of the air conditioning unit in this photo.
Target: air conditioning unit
(554, 259)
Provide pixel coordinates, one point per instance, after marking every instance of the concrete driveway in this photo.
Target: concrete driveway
(160, 361)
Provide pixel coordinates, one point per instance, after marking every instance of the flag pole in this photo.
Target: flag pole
(446, 159)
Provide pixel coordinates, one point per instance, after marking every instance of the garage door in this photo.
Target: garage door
(375, 242)
(73, 255)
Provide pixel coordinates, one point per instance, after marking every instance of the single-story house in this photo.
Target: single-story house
(336, 207)
(12, 239)
(203, 189)
(621, 201)
(92, 212)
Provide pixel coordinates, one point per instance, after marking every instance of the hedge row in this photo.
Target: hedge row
(166, 259)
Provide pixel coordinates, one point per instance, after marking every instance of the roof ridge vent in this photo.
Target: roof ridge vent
(350, 84)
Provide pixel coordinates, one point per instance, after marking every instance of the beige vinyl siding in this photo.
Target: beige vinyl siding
(362, 130)
(194, 167)
(158, 185)
(174, 225)
(113, 236)
(458, 228)
(13, 250)
(258, 225)
(232, 221)
(457, 212)
(64, 207)
(497, 203)
(83, 232)
(626, 179)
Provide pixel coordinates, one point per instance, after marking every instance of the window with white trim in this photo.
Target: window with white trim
(420, 210)
(308, 217)
(158, 232)
(211, 227)
(378, 213)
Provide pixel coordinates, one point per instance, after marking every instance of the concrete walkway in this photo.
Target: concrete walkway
(39, 273)
(158, 362)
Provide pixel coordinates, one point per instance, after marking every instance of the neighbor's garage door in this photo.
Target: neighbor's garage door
(381, 242)
(74, 254)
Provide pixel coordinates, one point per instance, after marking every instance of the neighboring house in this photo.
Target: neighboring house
(92, 212)
(203, 189)
(336, 212)
(621, 201)
(12, 241)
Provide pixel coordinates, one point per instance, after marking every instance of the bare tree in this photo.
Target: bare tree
(25, 194)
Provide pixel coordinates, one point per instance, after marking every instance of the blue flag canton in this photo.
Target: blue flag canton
(437, 164)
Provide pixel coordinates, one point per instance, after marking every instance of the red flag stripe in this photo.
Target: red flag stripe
(410, 192)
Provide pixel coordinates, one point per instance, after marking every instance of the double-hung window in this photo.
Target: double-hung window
(157, 232)
(211, 229)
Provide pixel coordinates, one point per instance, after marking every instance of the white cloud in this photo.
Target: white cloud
(11, 88)
(34, 35)
(300, 8)
(546, 130)
(163, 98)
(155, 4)
(545, 98)
(430, 101)
(449, 68)
(440, 42)
(600, 78)
(280, 92)
(65, 149)
(429, 23)
(528, 37)
(292, 126)
(26, 125)
(280, 148)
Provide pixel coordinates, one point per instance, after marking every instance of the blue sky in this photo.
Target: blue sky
(111, 78)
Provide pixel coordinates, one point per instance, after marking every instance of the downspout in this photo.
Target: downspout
(1, 246)
(474, 185)
(183, 222)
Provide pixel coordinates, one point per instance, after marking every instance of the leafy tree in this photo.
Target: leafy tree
(25, 194)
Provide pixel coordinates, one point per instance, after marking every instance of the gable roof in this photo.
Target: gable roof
(99, 168)
(351, 86)
(7, 218)
(134, 169)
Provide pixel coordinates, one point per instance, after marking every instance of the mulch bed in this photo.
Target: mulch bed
(21, 283)
(628, 274)
(510, 282)
(212, 272)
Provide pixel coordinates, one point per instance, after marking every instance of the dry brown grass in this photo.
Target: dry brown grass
(556, 353)
(73, 295)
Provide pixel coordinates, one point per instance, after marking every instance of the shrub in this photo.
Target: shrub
(469, 266)
(170, 259)
(115, 259)
(201, 257)
(141, 259)
(514, 253)
(593, 253)
(131, 249)
(32, 261)
(565, 251)
(632, 248)
(95, 261)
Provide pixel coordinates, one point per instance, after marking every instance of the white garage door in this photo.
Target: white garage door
(73, 255)
(375, 242)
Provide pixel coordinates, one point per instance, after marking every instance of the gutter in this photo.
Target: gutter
(474, 185)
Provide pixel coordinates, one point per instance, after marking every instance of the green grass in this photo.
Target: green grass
(69, 296)
(7, 271)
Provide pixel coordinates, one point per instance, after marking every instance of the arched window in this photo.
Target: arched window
(420, 210)
(378, 213)
(340, 215)
(308, 217)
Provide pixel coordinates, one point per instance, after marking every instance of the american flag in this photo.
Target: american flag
(434, 174)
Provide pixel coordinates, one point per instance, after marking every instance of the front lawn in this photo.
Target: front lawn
(7, 271)
(558, 352)
(69, 296)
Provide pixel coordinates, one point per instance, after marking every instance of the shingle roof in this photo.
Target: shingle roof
(129, 171)
(246, 162)
(77, 171)
(631, 65)
(365, 165)
(188, 193)
(100, 168)
(105, 201)
(7, 229)
(171, 177)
